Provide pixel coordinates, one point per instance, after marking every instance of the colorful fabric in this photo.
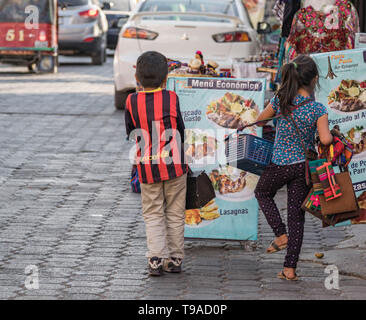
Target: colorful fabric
(287, 148)
(281, 57)
(274, 178)
(327, 179)
(160, 157)
(172, 65)
(345, 158)
(323, 31)
(318, 189)
(313, 165)
(339, 153)
(336, 149)
(313, 202)
(135, 182)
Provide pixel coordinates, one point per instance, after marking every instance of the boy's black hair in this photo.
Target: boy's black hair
(151, 69)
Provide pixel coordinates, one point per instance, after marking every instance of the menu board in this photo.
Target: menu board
(343, 90)
(213, 108)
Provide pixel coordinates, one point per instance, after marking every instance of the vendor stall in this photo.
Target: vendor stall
(322, 26)
(283, 12)
(343, 91)
(249, 68)
(313, 26)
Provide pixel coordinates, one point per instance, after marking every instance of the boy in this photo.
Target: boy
(153, 117)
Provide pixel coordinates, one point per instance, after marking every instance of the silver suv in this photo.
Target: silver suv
(82, 29)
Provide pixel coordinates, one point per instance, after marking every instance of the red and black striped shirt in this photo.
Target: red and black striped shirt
(154, 120)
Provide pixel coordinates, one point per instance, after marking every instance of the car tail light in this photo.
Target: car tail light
(238, 36)
(42, 36)
(137, 33)
(91, 13)
(89, 39)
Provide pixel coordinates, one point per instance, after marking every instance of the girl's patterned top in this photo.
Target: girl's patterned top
(287, 147)
(331, 29)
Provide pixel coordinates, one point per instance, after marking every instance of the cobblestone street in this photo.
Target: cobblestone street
(66, 207)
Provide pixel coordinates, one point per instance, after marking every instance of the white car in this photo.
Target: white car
(220, 29)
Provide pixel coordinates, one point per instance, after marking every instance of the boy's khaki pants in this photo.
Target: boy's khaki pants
(163, 207)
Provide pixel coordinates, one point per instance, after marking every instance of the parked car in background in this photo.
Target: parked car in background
(117, 12)
(221, 29)
(83, 29)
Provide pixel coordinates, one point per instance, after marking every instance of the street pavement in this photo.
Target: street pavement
(67, 212)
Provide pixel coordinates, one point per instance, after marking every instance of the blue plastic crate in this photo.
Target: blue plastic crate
(248, 153)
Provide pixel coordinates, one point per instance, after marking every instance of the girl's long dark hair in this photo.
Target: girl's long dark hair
(297, 74)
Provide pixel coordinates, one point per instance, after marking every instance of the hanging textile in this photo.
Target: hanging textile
(291, 7)
(279, 9)
(322, 31)
(281, 57)
(361, 8)
(285, 11)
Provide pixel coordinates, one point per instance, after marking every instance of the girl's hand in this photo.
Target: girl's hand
(325, 136)
(267, 113)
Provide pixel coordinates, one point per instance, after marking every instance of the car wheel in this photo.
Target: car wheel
(47, 64)
(98, 58)
(101, 55)
(120, 98)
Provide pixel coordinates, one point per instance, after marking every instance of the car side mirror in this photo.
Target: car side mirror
(264, 28)
(121, 21)
(107, 5)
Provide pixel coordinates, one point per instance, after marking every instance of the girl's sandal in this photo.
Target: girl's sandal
(276, 247)
(282, 275)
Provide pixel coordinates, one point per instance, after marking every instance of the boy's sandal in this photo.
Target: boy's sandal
(282, 275)
(276, 247)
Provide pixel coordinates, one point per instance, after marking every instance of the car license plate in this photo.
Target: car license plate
(41, 44)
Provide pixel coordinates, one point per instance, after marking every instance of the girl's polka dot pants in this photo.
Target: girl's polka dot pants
(273, 179)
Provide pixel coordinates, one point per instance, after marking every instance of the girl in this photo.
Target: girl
(299, 79)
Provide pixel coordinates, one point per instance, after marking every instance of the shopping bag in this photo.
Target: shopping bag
(200, 190)
(332, 220)
(312, 205)
(343, 204)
